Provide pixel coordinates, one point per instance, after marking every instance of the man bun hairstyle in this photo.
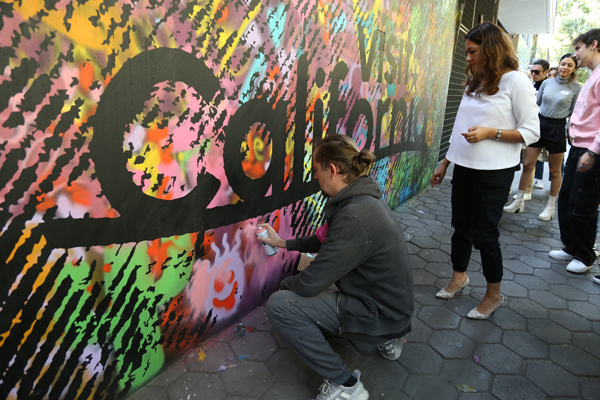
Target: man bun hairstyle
(342, 151)
(588, 38)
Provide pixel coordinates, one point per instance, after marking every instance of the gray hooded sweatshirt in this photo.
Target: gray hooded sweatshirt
(364, 253)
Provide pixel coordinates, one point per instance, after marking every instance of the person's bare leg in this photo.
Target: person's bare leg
(458, 278)
(491, 299)
(555, 162)
(531, 156)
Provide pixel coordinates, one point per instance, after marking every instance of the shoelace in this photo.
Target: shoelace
(326, 389)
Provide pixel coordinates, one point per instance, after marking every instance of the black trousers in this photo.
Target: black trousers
(478, 198)
(578, 202)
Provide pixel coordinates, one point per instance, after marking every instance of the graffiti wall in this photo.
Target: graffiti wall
(141, 142)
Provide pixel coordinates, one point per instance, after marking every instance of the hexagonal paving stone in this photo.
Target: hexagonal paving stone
(589, 342)
(440, 270)
(515, 387)
(552, 379)
(420, 332)
(480, 331)
(570, 320)
(256, 345)
(439, 317)
(550, 276)
(427, 387)
(512, 289)
(216, 354)
(590, 389)
(568, 292)
(248, 378)
(548, 331)
(421, 277)
(525, 344)
(586, 310)
(197, 385)
(425, 242)
(531, 282)
(575, 360)
(466, 372)
(434, 255)
(419, 358)
(548, 299)
(415, 231)
(416, 262)
(452, 344)
(461, 305)
(426, 295)
(520, 250)
(498, 359)
(287, 366)
(258, 320)
(383, 376)
(584, 285)
(528, 308)
(518, 267)
(506, 318)
(169, 375)
(288, 390)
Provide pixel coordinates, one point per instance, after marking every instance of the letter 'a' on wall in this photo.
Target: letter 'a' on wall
(142, 141)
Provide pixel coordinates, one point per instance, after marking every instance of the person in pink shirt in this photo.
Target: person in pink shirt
(579, 194)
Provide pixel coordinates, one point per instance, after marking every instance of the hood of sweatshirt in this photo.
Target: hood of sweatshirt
(365, 185)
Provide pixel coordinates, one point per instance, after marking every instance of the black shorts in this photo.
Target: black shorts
(553, 135)
(552, 147)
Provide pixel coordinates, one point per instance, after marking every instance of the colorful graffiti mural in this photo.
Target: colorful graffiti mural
(141, 141)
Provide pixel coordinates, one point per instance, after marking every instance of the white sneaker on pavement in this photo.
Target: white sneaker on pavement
(596, 279)
(332, 391)
(538, 184)
(560, 255)
(577, 267)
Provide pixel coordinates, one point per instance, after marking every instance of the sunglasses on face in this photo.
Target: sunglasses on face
(535, 71)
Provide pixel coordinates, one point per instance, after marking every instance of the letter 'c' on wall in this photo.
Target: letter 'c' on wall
(122, 100)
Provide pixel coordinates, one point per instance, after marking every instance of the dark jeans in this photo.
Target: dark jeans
(578, 202)
(478, 197)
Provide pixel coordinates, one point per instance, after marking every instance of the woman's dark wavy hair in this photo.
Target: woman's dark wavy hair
(342, 151)
(496, 56)
(573, 75)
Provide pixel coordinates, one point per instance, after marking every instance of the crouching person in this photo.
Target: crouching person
(361, 248)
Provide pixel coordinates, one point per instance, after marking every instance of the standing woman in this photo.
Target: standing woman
(556, 99)
(497, 113)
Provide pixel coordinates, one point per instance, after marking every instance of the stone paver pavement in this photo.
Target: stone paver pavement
(543, 343)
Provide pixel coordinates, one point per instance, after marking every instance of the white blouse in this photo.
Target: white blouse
(513, 107)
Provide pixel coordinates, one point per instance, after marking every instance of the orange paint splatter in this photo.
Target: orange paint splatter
(229, 301)
(86, 76)
(78, 194)
(89, 288)
(107, 268)
(156, 134)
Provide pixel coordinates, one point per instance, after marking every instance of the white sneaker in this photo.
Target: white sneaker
(560, 255)
(596, 249)
(596, 279)
(577, 267)
(538, 184)
(392, 348)
(332, 391)
(526, 196)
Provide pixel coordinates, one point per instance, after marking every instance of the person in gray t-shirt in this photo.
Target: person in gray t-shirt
(556, 99)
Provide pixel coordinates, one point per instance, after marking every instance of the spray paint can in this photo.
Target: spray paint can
(261, 231)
